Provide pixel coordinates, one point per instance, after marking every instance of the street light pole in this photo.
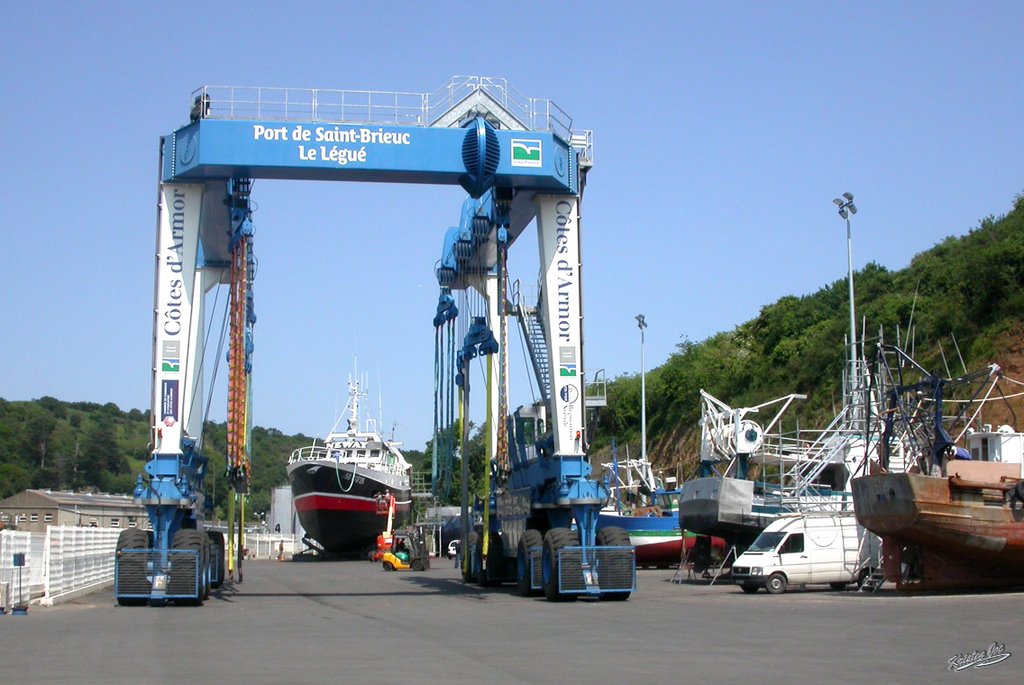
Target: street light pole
(846, 208)
(642, 324)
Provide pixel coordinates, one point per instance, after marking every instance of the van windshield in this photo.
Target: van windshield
(766, 542)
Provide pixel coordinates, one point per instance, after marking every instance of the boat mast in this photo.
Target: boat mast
(353, 405)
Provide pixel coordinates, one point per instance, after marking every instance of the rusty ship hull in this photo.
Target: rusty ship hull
(942, 533)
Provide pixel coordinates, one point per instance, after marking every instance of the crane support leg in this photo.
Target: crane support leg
(173, 564)
(559, 244)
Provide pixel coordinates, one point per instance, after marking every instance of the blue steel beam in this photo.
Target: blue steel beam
(217, 149)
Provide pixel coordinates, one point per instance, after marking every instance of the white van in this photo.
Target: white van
(808, 549)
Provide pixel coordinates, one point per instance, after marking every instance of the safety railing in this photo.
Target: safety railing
(133, 575)
(377, 460)
(535, 114)
(384, 107)
(271, 546)
(61, 563)
(77, 560)
(68, 561)
(137, 569)
(535, 558)
(19, 585)
(610, 569)
(595, 392)
(309, 104)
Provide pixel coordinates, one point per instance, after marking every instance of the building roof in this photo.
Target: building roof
(83, 498)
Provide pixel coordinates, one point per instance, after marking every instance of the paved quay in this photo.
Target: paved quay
(351, 622)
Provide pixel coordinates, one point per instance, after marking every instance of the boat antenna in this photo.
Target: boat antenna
(380, 402)
(962, 363)
(942, 353)
(910, 322)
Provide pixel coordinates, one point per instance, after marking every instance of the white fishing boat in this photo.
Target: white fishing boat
(341, 488)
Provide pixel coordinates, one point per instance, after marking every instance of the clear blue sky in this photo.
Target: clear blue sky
(722, 132)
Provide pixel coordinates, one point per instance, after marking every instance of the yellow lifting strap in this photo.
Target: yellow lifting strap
(462, 455)
(485, 485)
(231, 535)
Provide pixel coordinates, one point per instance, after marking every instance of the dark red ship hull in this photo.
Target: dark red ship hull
(944, 533)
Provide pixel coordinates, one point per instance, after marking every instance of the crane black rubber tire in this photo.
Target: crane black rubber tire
(217, 574)
(187, 538)
(554, 540)
(530, 538)
(497, 566)
(613, 536)
(469, 573)
(132, 538)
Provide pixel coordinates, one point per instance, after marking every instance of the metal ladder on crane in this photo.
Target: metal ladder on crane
(533, 333)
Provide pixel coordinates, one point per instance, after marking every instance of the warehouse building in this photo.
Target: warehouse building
(34, 510)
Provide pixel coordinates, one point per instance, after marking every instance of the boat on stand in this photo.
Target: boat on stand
(946, 494)
(648, 512)
(348, 490)
(752, 473)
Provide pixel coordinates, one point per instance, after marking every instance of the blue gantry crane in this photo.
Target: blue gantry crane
(519, 159)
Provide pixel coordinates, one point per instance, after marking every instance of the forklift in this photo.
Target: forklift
(408, 552)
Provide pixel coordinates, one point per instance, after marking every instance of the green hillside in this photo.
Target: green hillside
(964, 296)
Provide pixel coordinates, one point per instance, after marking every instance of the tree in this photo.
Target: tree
(99, 452)
(13, 479)
(35, 436)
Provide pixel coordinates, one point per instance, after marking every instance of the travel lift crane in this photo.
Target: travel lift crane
(204, 239)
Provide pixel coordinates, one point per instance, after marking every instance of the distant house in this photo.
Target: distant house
(33, 510)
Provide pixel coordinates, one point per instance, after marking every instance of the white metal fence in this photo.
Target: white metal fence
(68, 561)
(60, 564)
(78, 560)
(19, 585)
(269, 546)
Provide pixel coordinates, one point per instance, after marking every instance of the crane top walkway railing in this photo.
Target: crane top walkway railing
(383, 107)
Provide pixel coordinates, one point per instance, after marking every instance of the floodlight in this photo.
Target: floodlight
(848, 196)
